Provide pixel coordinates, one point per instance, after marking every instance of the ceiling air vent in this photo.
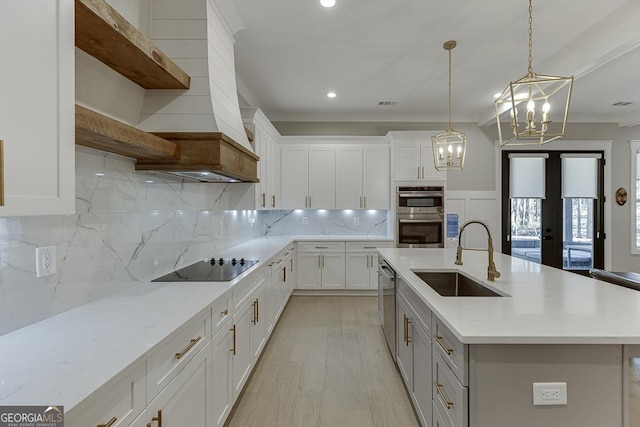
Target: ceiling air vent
(622, 104)
(387, 103)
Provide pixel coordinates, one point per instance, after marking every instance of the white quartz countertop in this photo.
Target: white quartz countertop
(63, 359)
(544, 305)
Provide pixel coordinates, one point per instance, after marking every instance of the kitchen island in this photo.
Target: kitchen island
(548, 326)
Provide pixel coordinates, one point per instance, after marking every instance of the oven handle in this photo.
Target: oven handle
(420, 220)
(420, 195)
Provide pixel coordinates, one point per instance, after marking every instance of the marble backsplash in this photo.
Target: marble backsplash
(131, 227)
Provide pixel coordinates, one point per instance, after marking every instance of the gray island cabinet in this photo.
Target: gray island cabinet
(473, 361)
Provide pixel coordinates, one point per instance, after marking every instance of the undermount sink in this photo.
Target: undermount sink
(454, 284)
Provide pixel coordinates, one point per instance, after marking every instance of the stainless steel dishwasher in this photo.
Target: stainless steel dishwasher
(387, 293)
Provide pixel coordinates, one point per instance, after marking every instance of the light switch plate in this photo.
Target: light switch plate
(549, 393)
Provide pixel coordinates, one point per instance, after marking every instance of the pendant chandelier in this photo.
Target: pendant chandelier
(450, 146)
(537, 105)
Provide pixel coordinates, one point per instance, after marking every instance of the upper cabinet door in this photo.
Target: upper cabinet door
(349, 193)
(376, 178)
(322, 177)
(37, 107)
(407, 161)
(295, 177)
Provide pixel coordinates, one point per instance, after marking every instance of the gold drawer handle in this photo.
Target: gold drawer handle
(158, 418)
(440, 341)
(224, 312)
(443, 397)
(193, 342)
(233, 329)
(109, 423)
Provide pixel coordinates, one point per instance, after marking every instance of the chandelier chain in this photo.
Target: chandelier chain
(530, 37)
(450, 89)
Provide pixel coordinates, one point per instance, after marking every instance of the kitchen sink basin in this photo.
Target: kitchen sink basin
(454, 284)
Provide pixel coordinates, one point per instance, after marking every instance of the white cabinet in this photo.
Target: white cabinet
(221, 371)
(321, 265)
(242, 359)
(121, 402)
(308, 177)
(259, 323)
(37, 107)
(362, 264)
(294, 177)
(414, 359)
(404, 326)
(266, 138)
(362, 177)
(413, 157)
(184, 401)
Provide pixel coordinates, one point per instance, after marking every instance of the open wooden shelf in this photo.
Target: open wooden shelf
(104, 133)
(107, 36)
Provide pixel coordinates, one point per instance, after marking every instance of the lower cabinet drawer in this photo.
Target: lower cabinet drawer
(221, 312)
(455, 353)
(117, 402)
(449, 396)
(164, 363)
(321, 246)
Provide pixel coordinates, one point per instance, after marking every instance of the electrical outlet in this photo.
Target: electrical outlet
(305, 220)
(356, 220)
(45, 261)
(549, 393)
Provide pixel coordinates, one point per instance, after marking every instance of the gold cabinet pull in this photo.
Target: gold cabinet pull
(273, 201)
(365, 202)
(257, 310)
(406, 330)
(264, 200)
(109, 423)
(440, 342)
(193, 342)
(224, 312)
(158, 418)
(233, 329)
(443, 397)
(418, 172)
(291, 265)
(423, 172)
(284, 273)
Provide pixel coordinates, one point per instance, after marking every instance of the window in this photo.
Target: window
(634, 197)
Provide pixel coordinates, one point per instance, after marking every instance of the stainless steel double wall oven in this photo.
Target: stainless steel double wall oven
(420, 217)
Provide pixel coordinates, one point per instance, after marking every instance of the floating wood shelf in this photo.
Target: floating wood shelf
(207, 151)
(104, 133)
(107, 36)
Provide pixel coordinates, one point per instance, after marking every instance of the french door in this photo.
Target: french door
(553, 208)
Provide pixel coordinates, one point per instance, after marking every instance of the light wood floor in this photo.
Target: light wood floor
(326, 364)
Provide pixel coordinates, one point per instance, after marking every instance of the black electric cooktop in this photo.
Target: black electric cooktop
(214, 270)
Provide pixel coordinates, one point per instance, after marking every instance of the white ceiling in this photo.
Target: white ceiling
(292, 52)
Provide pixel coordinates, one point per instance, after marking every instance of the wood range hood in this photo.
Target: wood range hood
(211, 156)
(207, 157)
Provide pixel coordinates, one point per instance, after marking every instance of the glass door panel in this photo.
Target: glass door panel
(577, 245)
(526, 231)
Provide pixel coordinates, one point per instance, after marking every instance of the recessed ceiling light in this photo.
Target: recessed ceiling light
(331, 95)
(328, 3)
